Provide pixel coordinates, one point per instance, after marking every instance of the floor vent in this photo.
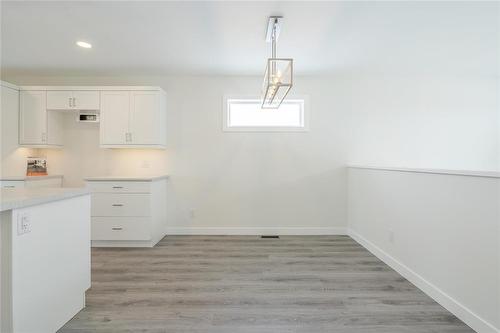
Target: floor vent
(269, 236)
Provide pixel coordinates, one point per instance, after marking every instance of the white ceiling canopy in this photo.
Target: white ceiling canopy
(228, 38)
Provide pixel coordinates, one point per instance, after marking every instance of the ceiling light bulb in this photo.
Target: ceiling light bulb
(85, 45)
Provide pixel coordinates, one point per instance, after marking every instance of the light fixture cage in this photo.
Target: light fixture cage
(278, 80)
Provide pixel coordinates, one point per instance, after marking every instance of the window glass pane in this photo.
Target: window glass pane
(248, 113)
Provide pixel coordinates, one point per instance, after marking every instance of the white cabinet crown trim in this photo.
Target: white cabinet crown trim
(9, 85)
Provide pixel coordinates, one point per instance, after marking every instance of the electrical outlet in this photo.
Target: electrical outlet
(23, 224)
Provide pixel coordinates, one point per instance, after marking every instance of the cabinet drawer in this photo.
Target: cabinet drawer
(119, 187)
(121, 228)
(120, 204)
(11, 183)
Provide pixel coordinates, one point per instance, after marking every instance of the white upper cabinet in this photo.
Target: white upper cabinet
(72, 100)
(130, 117)
(59, 100)
(37, 126)
(33, 118)
(115, 109)
(86, 100)
(133, 119)
(145, 117)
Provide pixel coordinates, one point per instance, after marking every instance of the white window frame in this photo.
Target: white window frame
(225, 116)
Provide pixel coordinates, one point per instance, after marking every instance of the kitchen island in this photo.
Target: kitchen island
(44, 257)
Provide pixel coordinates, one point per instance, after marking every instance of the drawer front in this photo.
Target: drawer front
(113, 204)
(121, 228)
(12, 183)
(119, 187)
(51, 182)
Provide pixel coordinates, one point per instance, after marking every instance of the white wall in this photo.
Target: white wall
(243, 182)
(13, 158)
(426, 122)
(442, 232)
(290, 179)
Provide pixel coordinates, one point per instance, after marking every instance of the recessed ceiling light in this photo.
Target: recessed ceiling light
(84, 44)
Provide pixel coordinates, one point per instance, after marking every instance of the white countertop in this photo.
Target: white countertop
(22, 178)
(14, 198)
(126, 178)
(489, 174)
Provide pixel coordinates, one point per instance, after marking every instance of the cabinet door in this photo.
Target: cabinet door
(59, 100)
(115, 107)
(9, 130)
(86, 100)
(55, 128)
(144, 117)
(33, 118)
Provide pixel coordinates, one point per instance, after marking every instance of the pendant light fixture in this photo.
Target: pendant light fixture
(279, 71)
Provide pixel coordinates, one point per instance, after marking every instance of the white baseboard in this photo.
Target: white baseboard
(120, 243)
(463, 313)
(256, 231)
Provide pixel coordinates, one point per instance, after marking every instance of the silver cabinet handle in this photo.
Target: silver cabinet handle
(69, 100)
(130, 136)
(44, 136)
(116, 228)
(126, 136)
(9, 186)
(117, 205)
(117, 186)
(74, 102)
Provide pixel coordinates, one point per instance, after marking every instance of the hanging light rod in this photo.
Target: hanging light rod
(274, 23)
(278, 78)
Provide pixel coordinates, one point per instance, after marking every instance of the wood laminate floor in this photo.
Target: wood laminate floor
(242, 284)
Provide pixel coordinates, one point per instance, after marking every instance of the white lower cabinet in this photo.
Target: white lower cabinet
(128, 213)
(45, 271)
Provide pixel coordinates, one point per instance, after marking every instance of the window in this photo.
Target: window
(247, 115)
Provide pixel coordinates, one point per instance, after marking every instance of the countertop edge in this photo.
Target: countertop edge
(125, 179)
(29, 178)
(38, 199)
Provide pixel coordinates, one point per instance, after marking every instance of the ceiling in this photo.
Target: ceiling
(227, 38)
